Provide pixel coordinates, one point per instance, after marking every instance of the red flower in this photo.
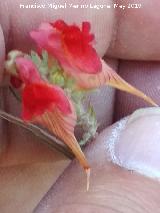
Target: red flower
(38, 96)
(48, 106)
(70, 45)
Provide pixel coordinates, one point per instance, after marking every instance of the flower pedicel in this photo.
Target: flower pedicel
(54, 82)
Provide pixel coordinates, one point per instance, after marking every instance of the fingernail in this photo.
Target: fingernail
(135, 142)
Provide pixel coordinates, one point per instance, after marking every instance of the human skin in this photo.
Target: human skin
(133, 37)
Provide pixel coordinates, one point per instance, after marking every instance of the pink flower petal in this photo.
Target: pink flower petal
(27, 71)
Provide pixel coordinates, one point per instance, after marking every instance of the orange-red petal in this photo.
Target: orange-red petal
(39, 98)
(63, 127)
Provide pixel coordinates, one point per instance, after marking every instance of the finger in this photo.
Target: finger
(144, 76)
(137, 33)
(112, 188)
(125, 31)
(23, 186)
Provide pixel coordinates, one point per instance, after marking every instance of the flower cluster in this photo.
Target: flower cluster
(54, 81)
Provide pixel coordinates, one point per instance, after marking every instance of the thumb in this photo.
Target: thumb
(137, 148)
(132, 143)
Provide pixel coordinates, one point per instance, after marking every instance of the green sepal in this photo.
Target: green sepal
(40, 62)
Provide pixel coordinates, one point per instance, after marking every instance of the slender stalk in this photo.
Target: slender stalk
(50, 140)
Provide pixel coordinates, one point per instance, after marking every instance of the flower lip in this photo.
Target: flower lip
(37, 98)
(59, 25)
(73, 31)
(77, 46)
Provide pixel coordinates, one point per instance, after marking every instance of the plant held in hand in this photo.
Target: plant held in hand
(54, 81)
